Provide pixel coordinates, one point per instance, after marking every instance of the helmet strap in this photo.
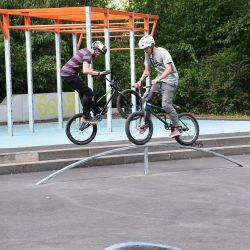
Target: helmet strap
(152, 49)
(95, 51)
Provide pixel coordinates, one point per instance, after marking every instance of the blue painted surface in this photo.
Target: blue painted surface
(51, 134)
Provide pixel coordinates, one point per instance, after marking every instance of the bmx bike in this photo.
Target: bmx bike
(140, 119)
(81, 133)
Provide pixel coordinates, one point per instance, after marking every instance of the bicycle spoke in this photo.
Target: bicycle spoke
(137, 130)
(79, 132)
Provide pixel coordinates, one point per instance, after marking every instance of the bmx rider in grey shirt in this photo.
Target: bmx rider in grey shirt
(165, 83)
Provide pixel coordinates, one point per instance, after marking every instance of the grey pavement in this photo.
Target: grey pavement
(198, 204)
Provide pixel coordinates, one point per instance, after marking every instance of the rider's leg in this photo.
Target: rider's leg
(168, 92)
(85, 94)
(95, 109)
(151, 94)
(153, 91)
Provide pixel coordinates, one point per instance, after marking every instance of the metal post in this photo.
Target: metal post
(30, 80)
(88, 37)
(107, 65)
(59, 81)
(8, 75)
(146, 160)
(132, 56)
(75, 49)
(146, 27)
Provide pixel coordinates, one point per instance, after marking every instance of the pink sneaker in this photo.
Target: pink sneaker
(143, 128)
(175, 132)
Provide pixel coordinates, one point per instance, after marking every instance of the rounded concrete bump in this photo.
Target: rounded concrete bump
(140, 246)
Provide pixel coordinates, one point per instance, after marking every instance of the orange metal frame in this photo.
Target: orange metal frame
(73, 20)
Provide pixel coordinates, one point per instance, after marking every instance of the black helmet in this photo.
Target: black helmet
(99, 46)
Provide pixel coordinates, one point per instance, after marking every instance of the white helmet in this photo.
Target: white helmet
(99, 46)
(146, 41)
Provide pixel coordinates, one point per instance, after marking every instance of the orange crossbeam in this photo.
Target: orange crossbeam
(72, 28)
(117, 36)
(118, 21)
(73, 12)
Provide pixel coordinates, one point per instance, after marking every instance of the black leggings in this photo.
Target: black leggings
(85, 94)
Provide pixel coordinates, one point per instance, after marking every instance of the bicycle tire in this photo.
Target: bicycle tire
(190, 129)
(124, 102)
(133, 123)
(76, 128)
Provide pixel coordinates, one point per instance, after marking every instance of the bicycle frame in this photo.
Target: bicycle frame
(148, 108)
(113, 90)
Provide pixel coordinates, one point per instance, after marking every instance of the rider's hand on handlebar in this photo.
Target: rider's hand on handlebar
(137, 85)
(153, 82)
(104, 73)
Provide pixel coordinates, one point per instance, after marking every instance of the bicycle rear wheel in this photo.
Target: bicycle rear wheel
(132, 128)
(78, 132)
(125, 102)
(190, 128)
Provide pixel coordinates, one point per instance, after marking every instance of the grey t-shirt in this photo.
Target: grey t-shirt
(158, 60)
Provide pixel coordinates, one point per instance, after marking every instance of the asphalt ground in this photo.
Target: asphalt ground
(198, 204)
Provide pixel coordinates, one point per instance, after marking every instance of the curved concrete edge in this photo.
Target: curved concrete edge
(41, 154)
(140, 246)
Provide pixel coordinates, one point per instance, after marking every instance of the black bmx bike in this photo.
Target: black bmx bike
(127, 101)
(139, 125)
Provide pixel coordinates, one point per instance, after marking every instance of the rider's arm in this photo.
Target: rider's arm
(88, 71)
(145, 74)
(166, 72)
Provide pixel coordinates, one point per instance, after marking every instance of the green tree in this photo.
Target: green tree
(209, 41)
(43, 48)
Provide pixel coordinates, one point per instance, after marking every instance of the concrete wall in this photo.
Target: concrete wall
(45, 106)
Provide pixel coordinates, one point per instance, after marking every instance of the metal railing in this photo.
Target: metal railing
(146, 165)
(140, 246)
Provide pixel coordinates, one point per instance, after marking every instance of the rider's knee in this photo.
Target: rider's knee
(88, 94)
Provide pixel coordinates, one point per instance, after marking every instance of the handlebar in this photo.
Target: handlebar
(149, 86)
(105, 72)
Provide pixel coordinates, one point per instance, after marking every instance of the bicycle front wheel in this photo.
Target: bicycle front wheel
(79, 132)
(133, 128)
(125, 103)
(190, 128)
